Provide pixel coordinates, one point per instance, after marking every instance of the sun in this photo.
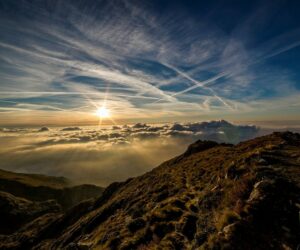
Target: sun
(103, 112)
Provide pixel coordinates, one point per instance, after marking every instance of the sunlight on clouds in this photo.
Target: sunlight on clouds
(106, 154)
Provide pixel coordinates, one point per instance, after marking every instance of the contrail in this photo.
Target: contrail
(70, 93)
(198, 84)
(202, 84)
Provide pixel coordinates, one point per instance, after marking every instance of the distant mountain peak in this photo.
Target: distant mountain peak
(199, 146)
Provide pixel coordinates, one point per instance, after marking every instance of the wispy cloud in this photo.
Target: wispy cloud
(151, 63)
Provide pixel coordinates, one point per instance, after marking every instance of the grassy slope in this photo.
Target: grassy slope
(211, 197)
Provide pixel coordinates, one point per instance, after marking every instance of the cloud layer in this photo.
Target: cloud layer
(101, 156)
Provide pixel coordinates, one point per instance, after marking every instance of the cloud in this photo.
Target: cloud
(43, 129)
(140, 125)
(222, 131)
(180, 133)
(71, 129)
(178, 127)
(95, 162)
(100, 156)
(146, 135)
(173, 64)
(13, 130)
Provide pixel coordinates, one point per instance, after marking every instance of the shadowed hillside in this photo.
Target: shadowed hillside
(41, 188)
(214, 196)
(16, 211)
(35, 180)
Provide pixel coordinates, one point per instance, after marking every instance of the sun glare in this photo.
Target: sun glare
(103, 112)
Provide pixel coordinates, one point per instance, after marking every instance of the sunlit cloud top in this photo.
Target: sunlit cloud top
(60, 61)
(112, 153)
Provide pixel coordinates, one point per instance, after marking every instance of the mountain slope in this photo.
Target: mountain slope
(41, 188)
(214, 196)
(35, 180)
(16, 211)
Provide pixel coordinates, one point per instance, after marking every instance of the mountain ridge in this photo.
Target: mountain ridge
(38, 188)
(214, 196)
(36, 180)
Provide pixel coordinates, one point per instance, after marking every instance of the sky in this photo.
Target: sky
(148, 61)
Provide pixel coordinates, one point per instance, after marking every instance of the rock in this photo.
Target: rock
(255, 195)
(261, 161)
(229, 229)
(263, 184)
(259, 190)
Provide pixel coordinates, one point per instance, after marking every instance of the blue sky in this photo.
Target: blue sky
(149, 60)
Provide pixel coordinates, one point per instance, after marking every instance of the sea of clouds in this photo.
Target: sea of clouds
(101, 155)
